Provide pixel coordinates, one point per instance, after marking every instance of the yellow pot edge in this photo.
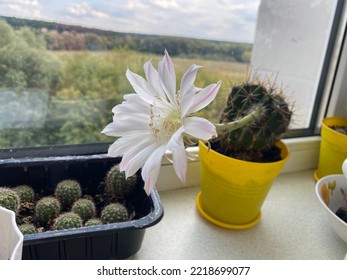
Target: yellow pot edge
(222, 224)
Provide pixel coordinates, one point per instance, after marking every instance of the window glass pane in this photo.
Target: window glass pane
(63, 63)
(62, 71)
(294, 47)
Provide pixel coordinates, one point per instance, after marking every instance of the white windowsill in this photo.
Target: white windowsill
(293, 223)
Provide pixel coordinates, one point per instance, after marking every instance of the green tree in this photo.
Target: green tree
(24, 64)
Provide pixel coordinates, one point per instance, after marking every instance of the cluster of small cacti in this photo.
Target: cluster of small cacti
(113, 213)
(25, 193)
(93, 222)
(67, 192)
(47, 209)
(67, 207)
(9, 199)
(255, 117)
(68, 220)
(85, 208)
(117, 185)
(27, 228)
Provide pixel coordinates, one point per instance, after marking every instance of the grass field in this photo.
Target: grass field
(116, 62)
(90, 84)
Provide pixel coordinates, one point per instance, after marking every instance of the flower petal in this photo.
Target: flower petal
(136, 156)
(187, 81)
(204, 97)
(199, 128)
(126, 127)
(153, 79)
(188, 90)
(151, 169)
(141, 86)
(179, 156)
(123, 144)
(168, 77)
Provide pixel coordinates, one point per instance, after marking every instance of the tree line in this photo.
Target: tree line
(67, 37)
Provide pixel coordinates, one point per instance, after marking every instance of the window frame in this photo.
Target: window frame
(333, 89)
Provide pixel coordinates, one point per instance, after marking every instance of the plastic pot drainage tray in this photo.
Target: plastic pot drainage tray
(107, 241)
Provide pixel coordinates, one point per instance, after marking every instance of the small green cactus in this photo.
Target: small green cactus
(93, 222)
(85, 208)
(27, 228)
(47, 209)
(114, 212)
(67, 192)
(256, 116)
(117, 185)
(9, 199)
(68, 220)
(25, 193)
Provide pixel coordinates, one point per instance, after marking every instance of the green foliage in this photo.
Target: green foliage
(113, 213)
(259, 135)
(85, 208)
(47, 209)
(117, 185)
(68, 220)
(89, 75)
(7, 34)
(25, 193)
(9, 199)
(27, 229)
(22, 63)
(67, 192)
(93, 222)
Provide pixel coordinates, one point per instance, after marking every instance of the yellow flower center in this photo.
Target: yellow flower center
(165, 126)
(172, 123)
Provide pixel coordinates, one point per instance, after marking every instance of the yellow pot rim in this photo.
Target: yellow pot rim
(330, 138)
(222, 224)
(329, 132)
(285, 154)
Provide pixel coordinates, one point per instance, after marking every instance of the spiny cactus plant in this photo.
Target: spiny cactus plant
(67, 192)
(27, 228)
(114, 212)
(47, 209)
(256, 116)
(68, 220)
(9, 199)
(117, 185)
(93, 222)
(85, 208)
(25, 193)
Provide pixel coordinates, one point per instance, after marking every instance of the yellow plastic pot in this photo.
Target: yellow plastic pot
(333, 148)
(232, 190)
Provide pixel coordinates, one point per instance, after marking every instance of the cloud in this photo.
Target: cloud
(165, 4)
(229, 20)
(85, 10)
(225, 20)
(29, 2)
(23, 8)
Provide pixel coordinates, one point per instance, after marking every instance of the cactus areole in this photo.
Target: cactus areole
(255, 117)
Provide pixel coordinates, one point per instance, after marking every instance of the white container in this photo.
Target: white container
(329, 190)
(11, 239)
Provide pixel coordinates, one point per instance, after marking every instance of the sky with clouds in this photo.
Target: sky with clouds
(225, 20)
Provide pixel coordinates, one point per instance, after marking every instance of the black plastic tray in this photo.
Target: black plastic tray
(110, 241)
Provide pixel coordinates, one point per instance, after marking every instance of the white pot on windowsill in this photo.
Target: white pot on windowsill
(11, 241)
